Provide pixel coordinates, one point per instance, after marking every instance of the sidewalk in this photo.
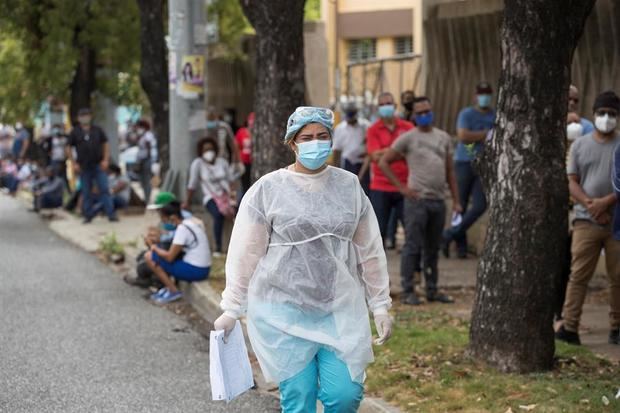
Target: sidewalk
(457, 276)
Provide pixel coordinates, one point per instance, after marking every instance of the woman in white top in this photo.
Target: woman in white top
(147, 155)
(188, 258)
(215, 175)
(306, 261)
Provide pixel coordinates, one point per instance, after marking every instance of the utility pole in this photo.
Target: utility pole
(187, 37)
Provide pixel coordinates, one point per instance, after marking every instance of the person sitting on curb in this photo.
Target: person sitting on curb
(193, 265)
(48, 191)
(162, 235)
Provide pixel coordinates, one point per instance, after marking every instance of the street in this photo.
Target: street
(76, 338)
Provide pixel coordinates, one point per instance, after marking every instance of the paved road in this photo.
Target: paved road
(75, 338)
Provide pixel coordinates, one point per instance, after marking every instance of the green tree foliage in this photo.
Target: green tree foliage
(40, 40)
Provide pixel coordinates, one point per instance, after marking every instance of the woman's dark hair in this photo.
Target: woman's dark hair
(202, 142)
(170, 209)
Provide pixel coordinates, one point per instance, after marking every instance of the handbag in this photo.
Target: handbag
(224, 205)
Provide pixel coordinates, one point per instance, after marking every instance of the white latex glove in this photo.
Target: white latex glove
(383, 323)
(226, 323)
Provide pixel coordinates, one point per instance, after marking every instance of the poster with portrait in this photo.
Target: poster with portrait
(192, 76)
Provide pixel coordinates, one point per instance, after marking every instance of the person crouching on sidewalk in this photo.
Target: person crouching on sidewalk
(188, 259)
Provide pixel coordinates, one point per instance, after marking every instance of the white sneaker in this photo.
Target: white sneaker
(217, 254)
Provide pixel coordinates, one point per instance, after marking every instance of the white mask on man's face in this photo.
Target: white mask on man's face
(605, 123)
(574, 130)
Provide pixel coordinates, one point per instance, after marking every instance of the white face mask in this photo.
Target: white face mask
(605, 124)
(574, 130)
(209, 156)
(140, 131)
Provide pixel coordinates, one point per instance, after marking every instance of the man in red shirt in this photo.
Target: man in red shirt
(244, 143)
(384, 196)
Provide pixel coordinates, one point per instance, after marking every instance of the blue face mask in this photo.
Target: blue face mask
(386, 111)
(211, 124)
(314, 154)
(425, 120)
(484, 101)
(167, 226)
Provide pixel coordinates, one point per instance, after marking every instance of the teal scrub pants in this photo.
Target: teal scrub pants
(327, 378)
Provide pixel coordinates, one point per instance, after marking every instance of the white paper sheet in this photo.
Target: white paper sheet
(229, 370)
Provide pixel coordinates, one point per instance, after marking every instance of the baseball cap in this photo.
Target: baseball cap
(162, 198)
(483, 87)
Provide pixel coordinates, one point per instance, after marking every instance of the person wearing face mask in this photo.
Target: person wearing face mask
(428, 153)
(147, 156)
(305, 263)
(224, 135)
(350, 143)
(385, 197)
(473, 125)
(406, 100)
(187, 259)
(21, 141)
(214, 175)
(574, 119)
(589, 170)
(93, 158)
(55, 146)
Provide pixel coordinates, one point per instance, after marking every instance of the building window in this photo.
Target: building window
(403, 45)
(362, 49)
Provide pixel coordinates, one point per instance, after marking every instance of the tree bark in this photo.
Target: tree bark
(279, 77)
(523, 172)
(84, 81)
(154, 72)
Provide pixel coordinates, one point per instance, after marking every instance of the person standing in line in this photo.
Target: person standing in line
(243, 137)
(428, 153)
(21, 141)
(590, 173)
(350, 144)
(473, 125)
(573, 109)
(215, 176)
(223, 134)
(147, 156)
(55, 145)
(93, 158)
(307, 263)
(384, 196)
(406, 100)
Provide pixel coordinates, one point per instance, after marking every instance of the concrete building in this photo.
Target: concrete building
(375, 46)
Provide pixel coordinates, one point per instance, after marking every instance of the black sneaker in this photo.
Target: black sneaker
(410, 299)
(113, 219)
(569, 337)
(614, 336)
(87, 220)
(440, 298)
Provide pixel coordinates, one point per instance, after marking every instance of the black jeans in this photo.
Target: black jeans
(218, 223)
(383, 203)
(424, 221)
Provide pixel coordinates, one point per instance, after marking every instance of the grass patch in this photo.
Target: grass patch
(424, 368)
(109, 245)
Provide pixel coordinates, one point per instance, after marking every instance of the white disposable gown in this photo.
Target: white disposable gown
(305, 257)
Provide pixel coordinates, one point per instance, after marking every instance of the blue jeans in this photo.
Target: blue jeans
(470, 186)
(327, 378)
(218, 223)
(88, 178)
(384, 203)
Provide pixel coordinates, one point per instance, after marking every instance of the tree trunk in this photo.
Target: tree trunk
(84, 81)
(523, 172)
(154, 72)
(279, 77)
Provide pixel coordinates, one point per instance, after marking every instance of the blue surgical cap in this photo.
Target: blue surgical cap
(304, 115)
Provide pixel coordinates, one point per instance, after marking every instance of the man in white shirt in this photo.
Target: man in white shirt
(350, 143)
